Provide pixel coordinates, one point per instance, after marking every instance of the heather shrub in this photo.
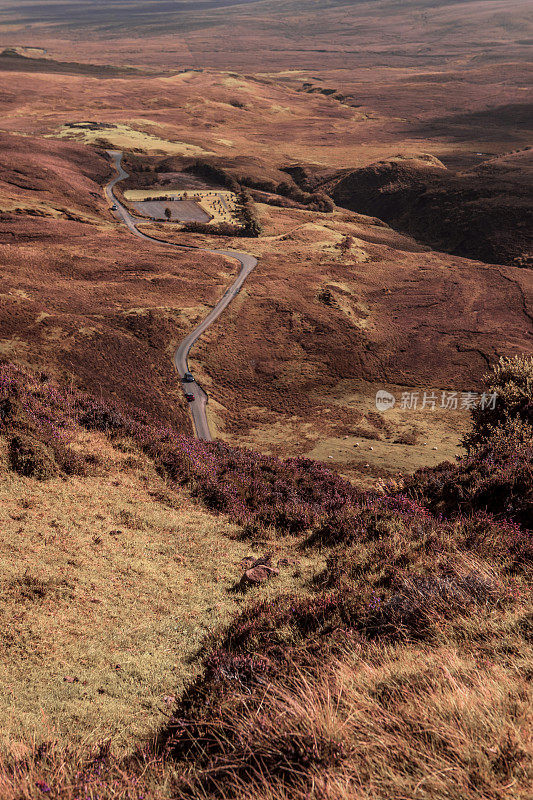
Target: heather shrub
(40, 421)
(221, 229)
(101, 419)
(318, 201)
(381, 723)
(497, 478)
(255, 490)
(409, 591)
(506, 543)
(511, 380)
(214, 173)
(282, 202)
(32, 458)
(12, 413)
(405, 581)
(410, 438)
(394, 572)
(379, 668)
(70, 461)
(364, 521)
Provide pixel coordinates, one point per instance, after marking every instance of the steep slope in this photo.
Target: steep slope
(485, 213)
(390, 649)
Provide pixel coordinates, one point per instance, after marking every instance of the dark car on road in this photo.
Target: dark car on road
(189, 397)
(188, 377)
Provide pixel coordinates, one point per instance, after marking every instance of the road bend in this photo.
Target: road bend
(248, 262)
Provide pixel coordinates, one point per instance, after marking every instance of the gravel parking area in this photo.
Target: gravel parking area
(181, 210)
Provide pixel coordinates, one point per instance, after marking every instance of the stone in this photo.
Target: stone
(257, 575)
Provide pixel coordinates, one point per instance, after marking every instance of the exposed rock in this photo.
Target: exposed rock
(251, 561)
(257, 575)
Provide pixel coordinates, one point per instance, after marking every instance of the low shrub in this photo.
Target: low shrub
(220, 229)
(407, 438)
(424, 597)
(214, 173)
(251, 488)
(497, 479)
(32, 458)
(510, 414)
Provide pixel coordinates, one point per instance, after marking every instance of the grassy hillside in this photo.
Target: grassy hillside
(345, 304)
(329, 601)
(390, 656)
(111, 569)
(82, 297)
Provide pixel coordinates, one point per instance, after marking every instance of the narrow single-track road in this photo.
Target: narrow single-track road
(247, 262)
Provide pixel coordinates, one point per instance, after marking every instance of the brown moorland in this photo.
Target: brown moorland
(389, 654)
(485, 212)
(80, 297)
(272, 34)
(364, 307)
(340, 306)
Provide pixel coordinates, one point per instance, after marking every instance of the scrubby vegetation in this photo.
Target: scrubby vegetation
(236, 177)
(252, 225)
(511, 415)
(254, 490)
(403, 670)
(220, 229)
(214, 173)
(497, 475)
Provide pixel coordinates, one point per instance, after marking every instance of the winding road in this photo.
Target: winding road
(247, 262)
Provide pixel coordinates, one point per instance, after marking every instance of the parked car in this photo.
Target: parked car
(188, 377)
(189, 397)
(114, 207)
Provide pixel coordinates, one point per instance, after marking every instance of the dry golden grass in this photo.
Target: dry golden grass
(125, 137)
(386, 723)
(389, 723)
(108, 586)
(400, 668)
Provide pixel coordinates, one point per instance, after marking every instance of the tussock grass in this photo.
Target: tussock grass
(376, 723)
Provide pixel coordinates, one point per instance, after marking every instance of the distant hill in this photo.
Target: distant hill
(271, 34)
(13, 61)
